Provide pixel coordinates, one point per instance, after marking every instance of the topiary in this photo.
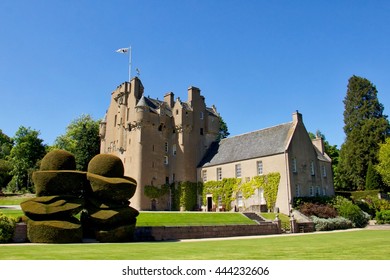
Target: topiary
(106, 165)
(7, 228)
(54, 231)
(58, 160)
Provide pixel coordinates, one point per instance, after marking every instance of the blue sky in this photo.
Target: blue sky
(257, 61)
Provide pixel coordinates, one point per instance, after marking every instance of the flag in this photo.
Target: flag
(122, 50)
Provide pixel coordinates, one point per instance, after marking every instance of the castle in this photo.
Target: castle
(168, 141)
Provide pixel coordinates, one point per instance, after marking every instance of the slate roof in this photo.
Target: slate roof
(260, 143)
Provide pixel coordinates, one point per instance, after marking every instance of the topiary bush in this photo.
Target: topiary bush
(383, 217)
(106, 165)
(322, 224)
(54, 231)
(58, 160)
(7, 228)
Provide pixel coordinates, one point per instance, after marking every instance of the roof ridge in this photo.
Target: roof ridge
(255, 131)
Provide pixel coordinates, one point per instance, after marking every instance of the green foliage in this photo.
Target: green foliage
(228, 187)
(373, 179)
(26, 153)
(383, 166)
(81, 139)
(154, 192)
(189, 195)
(7, 228)
(58, 160)
(6, 144)
(350, 211)
(298, 201)
(365, 127)
(322, 224)
(54, 231)
(223, 129)
(383, 217)
(106, 165)
(5, 173)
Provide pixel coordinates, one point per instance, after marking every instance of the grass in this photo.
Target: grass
(13, 199)
(342, 245)
(191, 219)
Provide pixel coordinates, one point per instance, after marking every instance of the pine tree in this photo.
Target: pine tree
(365, 127)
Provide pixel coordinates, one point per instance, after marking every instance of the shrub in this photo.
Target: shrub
(352, 212)
(106, 165)
(383, 217)
(331, 224)
(7, 228)
(58, 160)
(319, 210)
(54, 231)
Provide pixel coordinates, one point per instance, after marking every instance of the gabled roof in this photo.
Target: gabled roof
(260, 143)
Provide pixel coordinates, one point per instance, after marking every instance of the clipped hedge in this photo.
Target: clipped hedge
(52, 207)
(48, 183)
(58, 160)
(106, 165)
(119, 234)
(322, 224)
(111, 189)
(54, 231)
(7, 228)
(109, 218)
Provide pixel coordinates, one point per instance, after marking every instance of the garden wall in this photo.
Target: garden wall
(196, 232)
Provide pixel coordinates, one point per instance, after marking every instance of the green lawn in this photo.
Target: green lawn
(343, 245)
(13, 199)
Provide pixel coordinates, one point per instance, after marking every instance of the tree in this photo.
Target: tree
(81, 139)
(365, 127)
(6, 144)
(223, 129)
(373, 179)
(383, 166)
(24, 157)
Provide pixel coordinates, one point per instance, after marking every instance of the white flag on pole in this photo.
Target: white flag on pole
(122, 50)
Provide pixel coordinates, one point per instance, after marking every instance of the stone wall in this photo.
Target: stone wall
(196, 232)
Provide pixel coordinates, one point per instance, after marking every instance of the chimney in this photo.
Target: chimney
(193, 93)
(319, 143)
(297, 117)
(169, 99)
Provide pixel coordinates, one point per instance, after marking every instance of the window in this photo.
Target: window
(240, 201)
(294, 165)
(201, 115)
(166, 160)
(166, 147)
(174, 149)
(324, 171)
(201, 131)
(312, 172)
(318, 191)
(238, 170)
(204, 175)
(259, 168)
(177, 112)
(311, 191)
(297, 190)
(219, 174)
(115, 120)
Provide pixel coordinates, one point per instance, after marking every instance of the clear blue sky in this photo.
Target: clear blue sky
(257, 60)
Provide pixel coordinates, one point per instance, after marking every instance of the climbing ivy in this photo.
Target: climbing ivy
(189, 194)
(154, 192)
(229, 187)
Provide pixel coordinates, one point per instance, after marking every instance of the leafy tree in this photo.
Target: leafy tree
(5, 173)
(365, 127)
(383, 166)
(373, 179)
(24, 157)
(223, 129)
(6, 144)
(81, 139)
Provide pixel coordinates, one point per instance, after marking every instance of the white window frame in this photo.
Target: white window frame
(219, 173)
(204, 175)
(166, 161)
(238, 170)
(297, 191)
(294, 165)
(324, 171)
(312, 170)
(311, 191)
(260, 167)
(174, 149)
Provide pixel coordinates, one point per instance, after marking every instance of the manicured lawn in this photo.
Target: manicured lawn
(191, 219)
(14, 199)
(343, 245)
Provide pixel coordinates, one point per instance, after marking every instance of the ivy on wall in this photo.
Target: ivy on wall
(228, 188)
(154, 192)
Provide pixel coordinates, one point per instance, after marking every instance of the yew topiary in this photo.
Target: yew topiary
(58, 160)
(54, 231)
(119, 234)
(109, 218)
(106, 165)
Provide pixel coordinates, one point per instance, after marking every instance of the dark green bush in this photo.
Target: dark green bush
(383, 217)
(106, 165)
(7, 228)
(111, 189)
(52, 207)
(54, 231)
(48, 183)
(352, 212)
(119, 234)
(58, 160)
(298, 201)
(111, 218)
